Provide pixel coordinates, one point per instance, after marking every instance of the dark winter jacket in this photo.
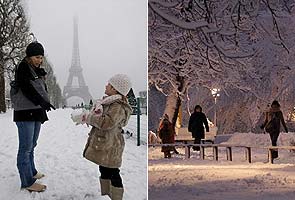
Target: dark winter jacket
(196, 125)
(29, 94)
(273, 119)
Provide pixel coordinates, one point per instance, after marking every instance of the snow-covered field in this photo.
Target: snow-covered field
(187, 179)
(59, 156)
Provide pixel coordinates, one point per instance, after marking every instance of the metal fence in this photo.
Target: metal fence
(137, 125)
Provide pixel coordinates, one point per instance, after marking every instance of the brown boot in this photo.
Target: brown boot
(105, 185)
(116, 193)
(36, 187)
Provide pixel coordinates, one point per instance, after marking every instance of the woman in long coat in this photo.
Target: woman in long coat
(167, 133)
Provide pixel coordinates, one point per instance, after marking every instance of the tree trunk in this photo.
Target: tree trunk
(173, 101)
(2, 91)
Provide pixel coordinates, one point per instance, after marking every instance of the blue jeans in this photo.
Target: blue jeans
(28, 133)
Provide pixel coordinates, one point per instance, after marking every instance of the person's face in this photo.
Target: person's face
(198, 110)
(36, 60)
(110, 90)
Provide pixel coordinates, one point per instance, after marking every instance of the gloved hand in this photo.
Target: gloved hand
(97, 109)
(79, 118)
(46, 106)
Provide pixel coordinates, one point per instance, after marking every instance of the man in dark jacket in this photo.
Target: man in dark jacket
(196, 125)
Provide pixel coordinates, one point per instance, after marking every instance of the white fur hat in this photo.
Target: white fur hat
(121, 83)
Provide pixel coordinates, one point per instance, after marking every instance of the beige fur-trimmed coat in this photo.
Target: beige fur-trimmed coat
(106, 143)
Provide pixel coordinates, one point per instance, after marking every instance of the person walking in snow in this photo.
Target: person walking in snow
(105, 144)
(196, 125)
(272, 124)
(30, 104)
(166, 133)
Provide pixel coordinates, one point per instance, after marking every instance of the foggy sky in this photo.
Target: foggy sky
(112, 38)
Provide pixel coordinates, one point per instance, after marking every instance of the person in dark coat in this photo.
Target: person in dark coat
(196, 125)
(272, 124)
(30, 104)
(166, 133)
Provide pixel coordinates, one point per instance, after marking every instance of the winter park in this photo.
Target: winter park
(221, 100)
(59, 156)
(73, 100)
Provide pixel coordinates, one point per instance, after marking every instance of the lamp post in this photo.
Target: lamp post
(215, 94)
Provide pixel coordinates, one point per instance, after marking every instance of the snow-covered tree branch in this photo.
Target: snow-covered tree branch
(242, 45)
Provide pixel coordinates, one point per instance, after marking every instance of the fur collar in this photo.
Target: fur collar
(110, 99)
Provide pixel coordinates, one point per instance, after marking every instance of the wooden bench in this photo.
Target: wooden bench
(183, 133)
(202, 150)
(186, 137)
(229, 157)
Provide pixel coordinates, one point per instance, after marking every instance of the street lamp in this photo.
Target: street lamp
(215, 94)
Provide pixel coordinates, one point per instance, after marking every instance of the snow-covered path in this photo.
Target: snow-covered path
(59, 155)
(186, 179)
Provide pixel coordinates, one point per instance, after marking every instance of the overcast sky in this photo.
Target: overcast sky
(112, 38)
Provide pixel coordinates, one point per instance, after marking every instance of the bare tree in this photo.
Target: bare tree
(14, 36)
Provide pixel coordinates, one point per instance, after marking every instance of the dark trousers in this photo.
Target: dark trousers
(197, 141)
(274, 138)
(112, 174)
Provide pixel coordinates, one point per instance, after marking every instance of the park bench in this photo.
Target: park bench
(229, 157)
(183, 136)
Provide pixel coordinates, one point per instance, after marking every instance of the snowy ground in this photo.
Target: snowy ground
(180, 178)
(59, 155)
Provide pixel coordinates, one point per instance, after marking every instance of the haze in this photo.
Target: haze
(112, 39)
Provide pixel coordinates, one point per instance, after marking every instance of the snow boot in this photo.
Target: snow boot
(116, 193)
(36, 187)
(105, 185)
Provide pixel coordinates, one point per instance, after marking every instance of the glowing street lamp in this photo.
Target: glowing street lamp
(215, 94)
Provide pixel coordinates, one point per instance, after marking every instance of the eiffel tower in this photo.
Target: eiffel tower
(76, 71)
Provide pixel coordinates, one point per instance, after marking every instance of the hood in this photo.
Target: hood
(274, 109)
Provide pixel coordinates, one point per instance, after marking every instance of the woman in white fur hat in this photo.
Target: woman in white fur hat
(105, 144)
